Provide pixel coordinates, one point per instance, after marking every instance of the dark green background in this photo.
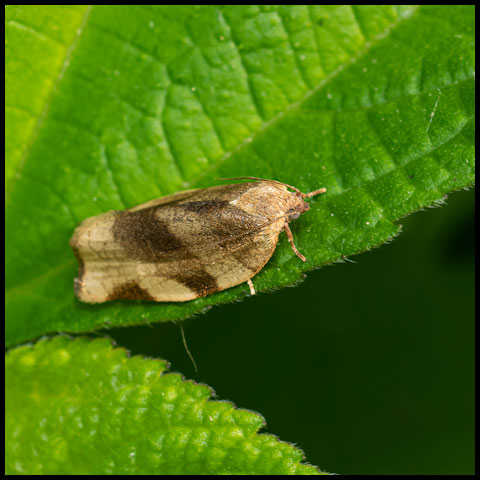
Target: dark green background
(367, 366)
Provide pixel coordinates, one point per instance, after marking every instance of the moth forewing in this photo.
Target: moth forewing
(186, 245)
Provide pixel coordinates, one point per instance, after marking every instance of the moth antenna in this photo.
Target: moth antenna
(304, 195)
(315, 192)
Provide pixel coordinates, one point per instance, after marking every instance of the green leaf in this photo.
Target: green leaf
(81, 407)
(111, 106)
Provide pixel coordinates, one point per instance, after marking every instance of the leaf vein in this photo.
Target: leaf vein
(41, 118)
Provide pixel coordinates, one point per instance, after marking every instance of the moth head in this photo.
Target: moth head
(300, 207)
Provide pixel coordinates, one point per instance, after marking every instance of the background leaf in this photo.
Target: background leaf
(369, 366)
(80, 407)
(375, 103)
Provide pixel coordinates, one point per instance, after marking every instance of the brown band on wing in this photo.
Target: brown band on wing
(222, 219)
(145, 237)
(130, 291)
(199, 281)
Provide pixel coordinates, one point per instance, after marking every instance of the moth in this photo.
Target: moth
(186, 245)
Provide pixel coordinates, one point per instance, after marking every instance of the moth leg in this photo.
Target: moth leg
(290, 239)
(250, 285)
